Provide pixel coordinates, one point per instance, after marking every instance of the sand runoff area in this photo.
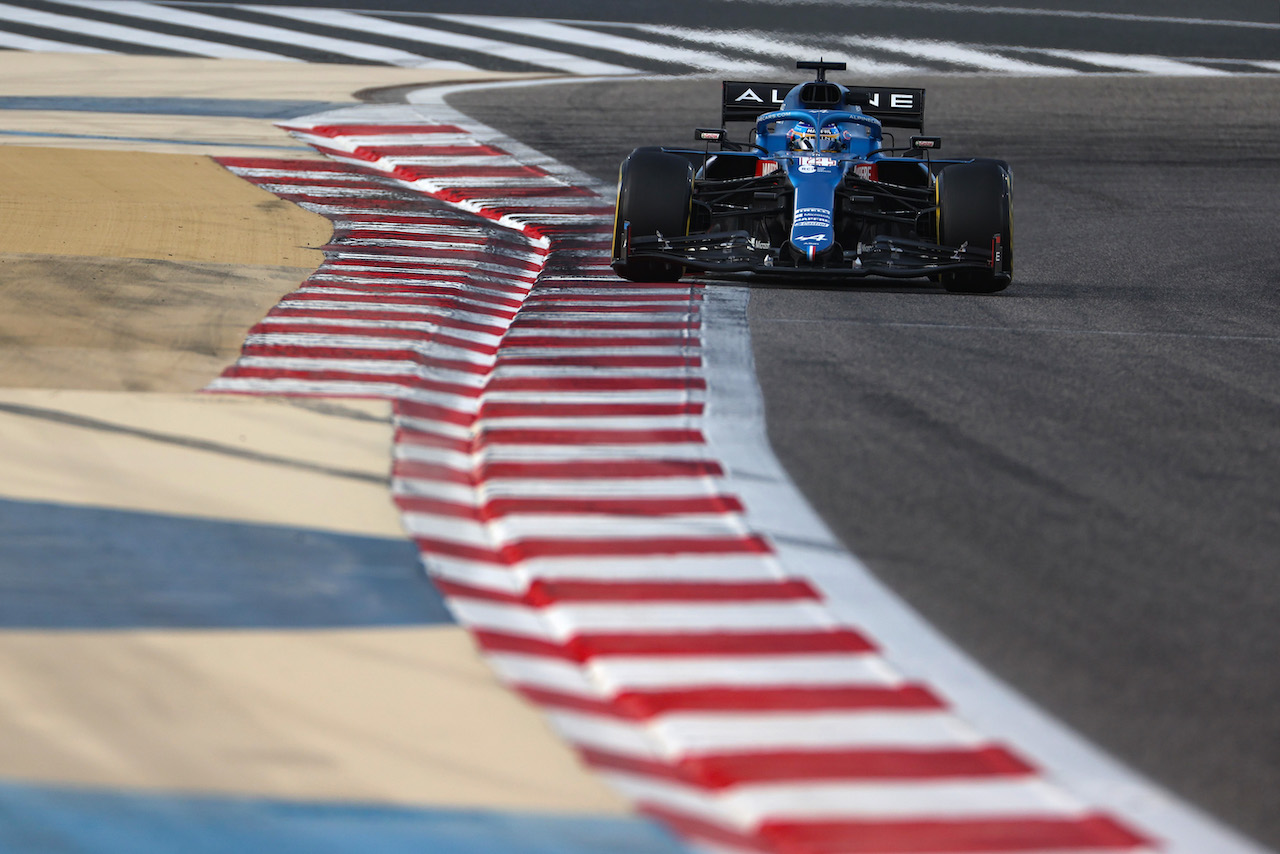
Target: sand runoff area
(131, 266)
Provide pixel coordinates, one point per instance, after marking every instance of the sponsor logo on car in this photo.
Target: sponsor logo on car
(895, 101)
(812, 218)
(750, 95)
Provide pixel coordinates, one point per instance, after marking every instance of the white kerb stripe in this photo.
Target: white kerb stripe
(504, 369)
(461, 41)
(1144, 64)
(676, 395)
(130, 35)
(13, 41)
(562, 621)
(550, 453)
(567, 526)
(592, 422)
(571, 332)
(425, 326)
(605, 675)
(770, 46)
(673, 736)
(666, 568)
(229, 26)
(382, 368)
(604, 487)
(608, 734)
(749, 805)
(822, 730)
(604, 41)
(976, 57)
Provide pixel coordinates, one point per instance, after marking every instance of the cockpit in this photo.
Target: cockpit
(818, 132)
(831, 138)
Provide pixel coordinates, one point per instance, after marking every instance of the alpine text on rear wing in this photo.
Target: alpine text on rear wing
(893, 106)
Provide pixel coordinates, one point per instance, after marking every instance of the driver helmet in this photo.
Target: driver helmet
(802, 138)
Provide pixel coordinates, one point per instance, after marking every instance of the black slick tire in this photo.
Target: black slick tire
(975, 203)
(655, 192)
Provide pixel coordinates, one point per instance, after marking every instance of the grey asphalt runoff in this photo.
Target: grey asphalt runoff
(1077, 480)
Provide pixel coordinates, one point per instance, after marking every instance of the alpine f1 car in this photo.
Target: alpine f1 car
(815, 192)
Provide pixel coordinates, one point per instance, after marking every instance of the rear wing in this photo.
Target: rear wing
(893, 106)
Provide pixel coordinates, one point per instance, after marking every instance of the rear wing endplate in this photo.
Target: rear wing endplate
(893, 106)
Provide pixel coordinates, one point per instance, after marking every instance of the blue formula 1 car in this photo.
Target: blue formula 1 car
(815, 193)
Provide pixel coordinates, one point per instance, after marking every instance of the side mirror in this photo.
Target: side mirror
(926, 143)
(710, 135)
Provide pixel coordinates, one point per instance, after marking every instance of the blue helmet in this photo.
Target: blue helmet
(803, 138)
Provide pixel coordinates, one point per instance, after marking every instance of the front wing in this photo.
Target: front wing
(737, 253)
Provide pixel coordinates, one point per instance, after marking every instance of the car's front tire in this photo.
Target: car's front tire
(655, 194)
(975, 203)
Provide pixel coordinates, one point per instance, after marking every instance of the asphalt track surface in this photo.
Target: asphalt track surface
(1077, 480)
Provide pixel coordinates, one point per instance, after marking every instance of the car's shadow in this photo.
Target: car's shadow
(883, 286)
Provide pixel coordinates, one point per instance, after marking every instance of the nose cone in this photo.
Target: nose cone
(815, 178)
(812, 230)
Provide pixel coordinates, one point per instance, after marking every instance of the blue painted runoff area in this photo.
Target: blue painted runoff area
(47, 819)
(240, 108)
(69, 567)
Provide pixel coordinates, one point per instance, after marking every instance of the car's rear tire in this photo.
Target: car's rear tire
(655, 194)
(975, 202)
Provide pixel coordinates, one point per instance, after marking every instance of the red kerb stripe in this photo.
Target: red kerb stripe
(500, 409)
(577, 470)
(1092, 831)
(415, 172)
(619, 341)
(417, 409)
(373, 130)
(501, 507)
(654, 546)
(557, 191)
(547, 309)
(542, 593)
(544, 322)
(722, 771)
(586, 647)
(988, 836)
(643, 705)
(604, 361)
(531, 549)
(421, 150)
(529, 436)
(603, 384)
(553, 296)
